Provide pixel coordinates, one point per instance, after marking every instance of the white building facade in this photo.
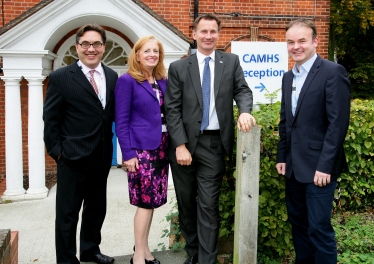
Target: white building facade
(44, 42)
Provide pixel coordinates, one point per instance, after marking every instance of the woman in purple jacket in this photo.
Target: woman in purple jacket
(143, 137)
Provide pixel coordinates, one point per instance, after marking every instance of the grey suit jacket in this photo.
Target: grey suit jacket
(184, 103)
(74, 119)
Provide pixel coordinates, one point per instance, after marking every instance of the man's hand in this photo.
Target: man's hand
(321, 179)
(131, 164)
(184, 157)
(245, 122)
(281, 168)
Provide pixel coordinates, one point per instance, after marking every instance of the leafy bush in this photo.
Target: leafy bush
(355, 188)
(274, 231)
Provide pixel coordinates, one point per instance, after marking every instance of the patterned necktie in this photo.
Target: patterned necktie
(92, 82)
(206, 94)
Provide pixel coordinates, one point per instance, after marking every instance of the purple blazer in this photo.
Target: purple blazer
(137, 115)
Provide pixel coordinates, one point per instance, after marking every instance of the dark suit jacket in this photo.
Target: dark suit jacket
(313, 139)
(138, 115)
(74, 119)
(184, 103)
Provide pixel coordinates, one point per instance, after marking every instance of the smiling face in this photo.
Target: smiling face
(148, 55)
(206, 35)
(90, 57)
(300, 43)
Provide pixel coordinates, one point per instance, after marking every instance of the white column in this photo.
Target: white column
(37, 187)
(13, 140)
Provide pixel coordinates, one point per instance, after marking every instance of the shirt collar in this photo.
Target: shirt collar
(86, 70)
(306, 66)
(201, 57)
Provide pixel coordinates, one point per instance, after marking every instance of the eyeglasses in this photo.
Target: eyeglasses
(87, 45)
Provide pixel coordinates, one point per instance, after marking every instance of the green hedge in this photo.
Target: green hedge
(355, 189)
(274, 231)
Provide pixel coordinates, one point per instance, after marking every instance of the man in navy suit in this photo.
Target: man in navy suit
(78, 115)
(198, 147)
(314, 120)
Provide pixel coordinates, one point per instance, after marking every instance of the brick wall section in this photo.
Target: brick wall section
(271, 17)
(50, 164)
(14, 8)
(25, 124)
(8, 246)
(13, 256)
(2, 129)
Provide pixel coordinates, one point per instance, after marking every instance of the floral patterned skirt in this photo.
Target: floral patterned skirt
(148, 186)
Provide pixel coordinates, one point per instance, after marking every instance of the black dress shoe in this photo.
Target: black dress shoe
(99, 258)
(132, 262)
(191, 260)
(154, 261)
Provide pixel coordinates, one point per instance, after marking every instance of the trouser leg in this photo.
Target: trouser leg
(68, 204)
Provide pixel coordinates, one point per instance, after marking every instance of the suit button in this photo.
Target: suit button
(293, 128)
(98, 103)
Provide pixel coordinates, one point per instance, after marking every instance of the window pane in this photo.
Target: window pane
(114, 55)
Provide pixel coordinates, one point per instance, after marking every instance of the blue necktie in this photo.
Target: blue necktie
(206, 94)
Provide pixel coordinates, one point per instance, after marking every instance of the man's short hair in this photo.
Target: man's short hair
(207, 17)
(90, 27)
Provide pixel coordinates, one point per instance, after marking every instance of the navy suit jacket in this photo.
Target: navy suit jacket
(138, 115)
(74, 120)
(313, 138)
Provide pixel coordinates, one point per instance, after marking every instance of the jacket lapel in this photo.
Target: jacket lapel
(148, 87)
(312, 73)
(162, 85)
(219, 65)
(288, 95)
(193, 69)
(108, 81)
(81, 79)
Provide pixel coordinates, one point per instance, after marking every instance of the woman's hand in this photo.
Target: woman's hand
(131, 164)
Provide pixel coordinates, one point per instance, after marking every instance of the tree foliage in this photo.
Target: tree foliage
(352, 42)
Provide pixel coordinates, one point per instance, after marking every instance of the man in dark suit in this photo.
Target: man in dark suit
(314, 120)
(78, 115)
(199, 115)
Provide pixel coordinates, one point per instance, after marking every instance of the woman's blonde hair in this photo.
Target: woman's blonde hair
(136, 69)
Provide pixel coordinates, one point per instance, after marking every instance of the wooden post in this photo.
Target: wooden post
(246, 196)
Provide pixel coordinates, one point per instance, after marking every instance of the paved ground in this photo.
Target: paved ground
(35, 222)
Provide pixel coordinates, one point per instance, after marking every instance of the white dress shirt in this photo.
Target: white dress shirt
(213, 119)
(99, 79)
